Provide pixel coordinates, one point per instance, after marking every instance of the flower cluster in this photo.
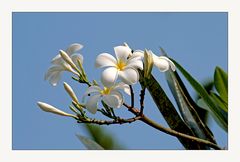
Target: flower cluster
(119, 74)
(59, 65)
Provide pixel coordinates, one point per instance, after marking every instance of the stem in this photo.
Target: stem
(132, 96)
(84, 81)
(142, 94)
(170, 131)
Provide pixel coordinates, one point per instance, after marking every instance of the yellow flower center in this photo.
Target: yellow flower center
(121, 65)
(106, 91)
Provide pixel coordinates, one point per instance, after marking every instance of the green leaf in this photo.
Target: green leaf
(103, 137)
(187, 107)
(219, 101)
(214, 109)
(167, 110)
(208, 86)
(88, 143)
(221, 83)
(203, 105)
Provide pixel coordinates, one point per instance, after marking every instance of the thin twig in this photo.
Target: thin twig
(108, 122)
(168, 130)
(132, 95)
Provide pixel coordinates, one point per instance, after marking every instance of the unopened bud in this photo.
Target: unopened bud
(70, 91)
(68, 60)
(49, 108)
(148, 63)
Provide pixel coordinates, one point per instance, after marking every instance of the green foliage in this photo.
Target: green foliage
(208, 86)
(102, 137)
(218, 100)
(167, 109)
(212, 106)
(187, 107)
(221, 83)
(88, 143)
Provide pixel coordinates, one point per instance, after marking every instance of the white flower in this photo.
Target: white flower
(49, 108)
(59, 65)
(125, 66)
(163, 63)
(110, 95)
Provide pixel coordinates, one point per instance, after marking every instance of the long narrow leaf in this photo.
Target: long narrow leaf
(203, 114)
(201, 103)
(221, 83)
(187, 107)
(168, 111)
(203, 93)
(218, 100)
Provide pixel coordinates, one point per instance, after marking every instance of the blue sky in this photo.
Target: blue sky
(198, 41)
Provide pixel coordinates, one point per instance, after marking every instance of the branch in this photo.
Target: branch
(108, 122)
(168, 130)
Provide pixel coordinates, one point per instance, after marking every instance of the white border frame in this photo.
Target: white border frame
(6, 9)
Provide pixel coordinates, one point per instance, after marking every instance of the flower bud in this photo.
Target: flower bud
(49, 108)
(70, 91)
(68, 60)
(148, 63)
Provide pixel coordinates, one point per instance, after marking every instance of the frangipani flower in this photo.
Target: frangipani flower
(124, 66)
(163, 63)
(49, 108)
(109, 95)
(59, 65)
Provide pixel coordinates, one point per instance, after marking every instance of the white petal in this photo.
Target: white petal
(75, 57)
(138, 53)
(57, 60)
(172, 65)
(55, 77)
(135, 63)
(161, 63)
(54, 74)
(129, 76)
(104, 60)
(114, 99)
(52, 70)
(109, 76)
(92, 89)
(122, 86)
(122, 52)
(91, 104)
(73, 48)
